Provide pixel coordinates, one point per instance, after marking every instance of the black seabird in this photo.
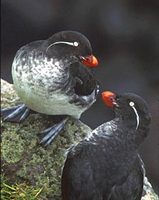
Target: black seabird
(106, 164)
(50, 77)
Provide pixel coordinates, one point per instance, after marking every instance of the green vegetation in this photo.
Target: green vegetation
(19, 192)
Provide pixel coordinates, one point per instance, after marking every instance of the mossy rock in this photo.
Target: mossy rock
(29, 171)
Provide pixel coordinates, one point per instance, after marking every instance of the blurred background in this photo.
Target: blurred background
(125, 37)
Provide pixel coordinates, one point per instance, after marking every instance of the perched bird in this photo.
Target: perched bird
(106, 165)
(53, 77)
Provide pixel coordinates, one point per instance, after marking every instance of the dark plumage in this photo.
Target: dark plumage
(106, 164)
(50, 76)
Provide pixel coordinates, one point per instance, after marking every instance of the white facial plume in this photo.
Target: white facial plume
(75, 44)
(136, 113)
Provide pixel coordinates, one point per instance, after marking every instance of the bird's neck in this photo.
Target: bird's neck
(134, 129)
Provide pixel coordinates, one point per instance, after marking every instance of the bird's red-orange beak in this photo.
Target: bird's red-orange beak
(90, 61)
(109, 98)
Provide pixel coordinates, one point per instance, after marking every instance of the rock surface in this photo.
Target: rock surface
(25, 161)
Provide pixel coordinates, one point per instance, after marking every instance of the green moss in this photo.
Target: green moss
(26, 162)
(12, 146)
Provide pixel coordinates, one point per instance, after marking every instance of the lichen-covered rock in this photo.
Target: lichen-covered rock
(25, 163)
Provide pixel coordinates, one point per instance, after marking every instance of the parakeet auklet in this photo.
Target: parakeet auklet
(50, 76)
(106, 164)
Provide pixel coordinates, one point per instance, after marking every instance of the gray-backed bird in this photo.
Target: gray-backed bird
(106, 165)
(53, 77)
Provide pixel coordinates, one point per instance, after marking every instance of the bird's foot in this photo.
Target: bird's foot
(15, 114)
(50, 133)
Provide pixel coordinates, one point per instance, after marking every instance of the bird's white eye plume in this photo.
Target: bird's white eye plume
(75, 44)
(136, 113)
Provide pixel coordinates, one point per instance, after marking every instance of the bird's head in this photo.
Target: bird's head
(128, 106)
(72, 45)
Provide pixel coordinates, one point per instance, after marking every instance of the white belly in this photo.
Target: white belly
(39, 100)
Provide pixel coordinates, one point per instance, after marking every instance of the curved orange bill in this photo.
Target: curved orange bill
(109, 98)
(90, 61)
